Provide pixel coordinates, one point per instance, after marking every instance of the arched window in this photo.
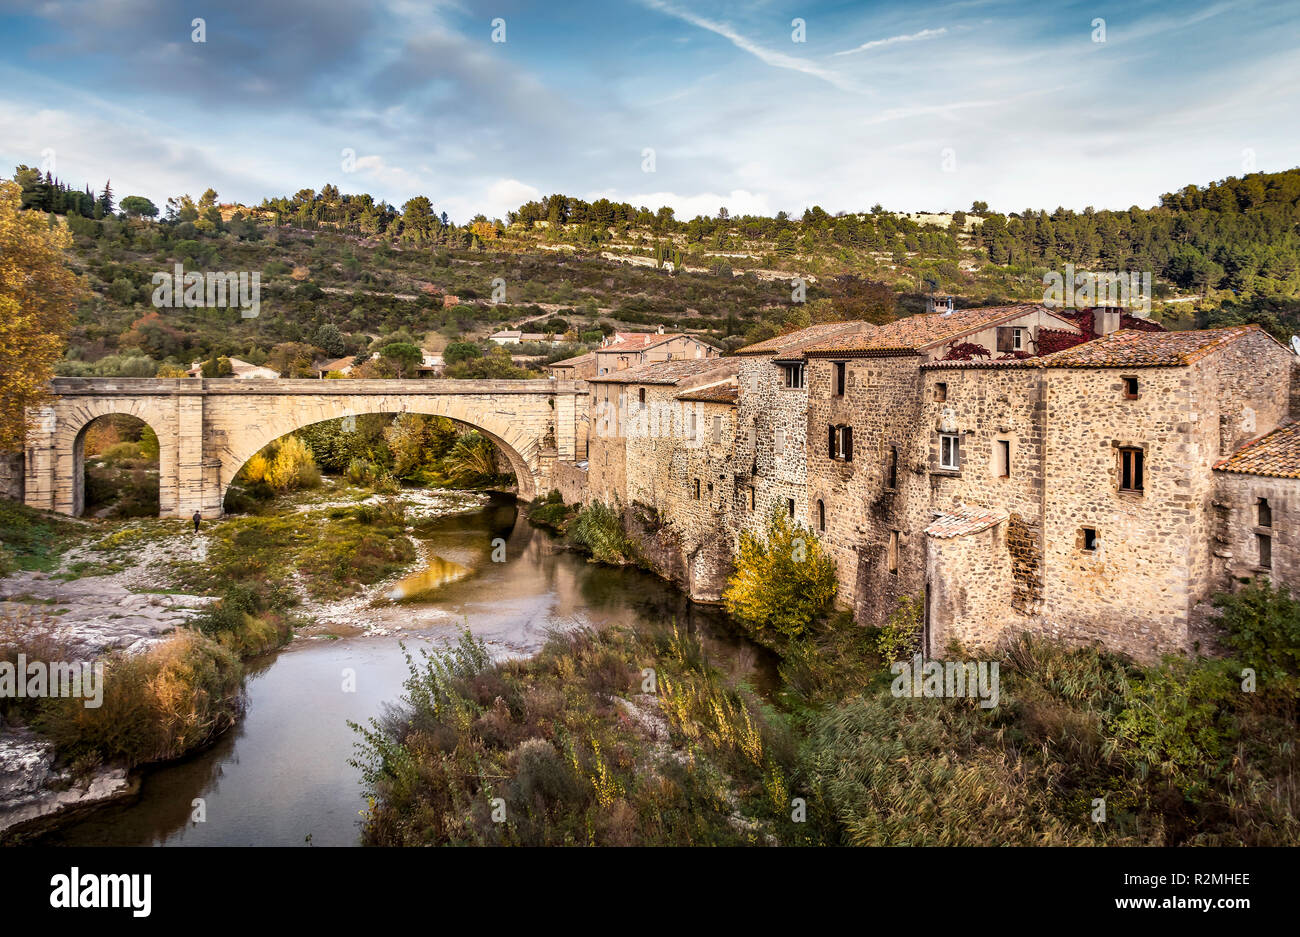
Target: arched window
(821, 515)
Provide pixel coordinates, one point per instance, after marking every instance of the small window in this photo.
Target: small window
(641, 397)
(1011, 338)
(940, 391)
(1003, 454)
(1265, 545)
(891, 477)
(1089, 539)
(1130, 388)
(893, 551)
(690, 425)
(778, 441)
(1131, 469)
(793, 375)
(789, 506)
(697, 489)
(749, 497)
(1264, 517)
(717, 430)
(950, 451)
(841, 375)
(841, 443)
(821, 515)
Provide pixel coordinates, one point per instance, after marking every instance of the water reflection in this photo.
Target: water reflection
(282, 777)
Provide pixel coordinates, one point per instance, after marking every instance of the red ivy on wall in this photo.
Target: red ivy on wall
(966, 351)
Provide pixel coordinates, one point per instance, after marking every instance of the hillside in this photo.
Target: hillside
(343, 274)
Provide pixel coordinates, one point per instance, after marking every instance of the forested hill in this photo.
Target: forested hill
(347, 273)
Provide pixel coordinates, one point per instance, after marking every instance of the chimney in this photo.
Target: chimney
(1105, 319)
(661, 329)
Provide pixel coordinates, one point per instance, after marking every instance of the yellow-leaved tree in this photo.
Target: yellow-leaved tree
(37, 295)
(782, 582)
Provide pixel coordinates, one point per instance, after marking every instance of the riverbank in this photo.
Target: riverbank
(151, 596)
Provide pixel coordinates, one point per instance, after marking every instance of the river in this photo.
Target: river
(282, 778)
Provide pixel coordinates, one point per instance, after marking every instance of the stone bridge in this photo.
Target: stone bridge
(207, 429)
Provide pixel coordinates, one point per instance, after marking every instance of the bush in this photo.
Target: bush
(782, 583)
(900, 638)
(549, 511)
(598, 530)
(1262, 625)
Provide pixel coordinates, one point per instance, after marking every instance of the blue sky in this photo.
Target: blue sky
(915, 105)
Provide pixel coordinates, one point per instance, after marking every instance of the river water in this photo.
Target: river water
(281, 777)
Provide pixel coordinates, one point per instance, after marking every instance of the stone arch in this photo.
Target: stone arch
(70, 446)
(512, 440)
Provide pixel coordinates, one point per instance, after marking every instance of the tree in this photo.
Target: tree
(330, 340)
(106, 199)
(137, 206)
(402, 355)
(461, 351)
(782, 582)
(37, 295)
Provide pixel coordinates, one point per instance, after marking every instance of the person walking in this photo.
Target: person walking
(197, 517)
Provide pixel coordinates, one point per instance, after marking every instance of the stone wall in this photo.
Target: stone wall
(12, 471)
(769, 454)
(571, 481)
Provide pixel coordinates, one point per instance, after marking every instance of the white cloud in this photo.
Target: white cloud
(893, 40)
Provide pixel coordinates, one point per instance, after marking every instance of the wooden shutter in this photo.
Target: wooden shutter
(848, 444)
(1006, 338)
(831, 449)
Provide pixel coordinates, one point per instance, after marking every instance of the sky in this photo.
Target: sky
(756, 106)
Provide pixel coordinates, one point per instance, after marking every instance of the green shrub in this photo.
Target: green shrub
(900, 638)
(782, 582)
(598, 530)
(1262, 624)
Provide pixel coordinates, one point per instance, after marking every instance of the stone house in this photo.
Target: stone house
(769, 462)
(630, 349)
(1071, 495)
(1257, 505)
(578, 368)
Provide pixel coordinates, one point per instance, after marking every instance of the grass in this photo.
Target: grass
(34, 540)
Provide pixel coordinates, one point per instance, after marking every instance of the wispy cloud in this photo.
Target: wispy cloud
(894, 40)
(763, 54)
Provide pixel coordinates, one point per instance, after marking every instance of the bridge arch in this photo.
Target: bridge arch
(509, 440)
(70, 442)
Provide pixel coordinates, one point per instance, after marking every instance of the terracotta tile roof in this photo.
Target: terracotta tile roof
(667, 372)
(576, 359)
(923, 331)
(794, 343)
(637, 341)
(723, 392)
(1129, 348)
(1276, 454)
(963, 520)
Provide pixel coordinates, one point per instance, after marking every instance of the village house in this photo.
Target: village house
(578, 368)
(342, 366)
(629, 349)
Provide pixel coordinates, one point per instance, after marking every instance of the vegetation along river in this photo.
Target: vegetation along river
(281, 776)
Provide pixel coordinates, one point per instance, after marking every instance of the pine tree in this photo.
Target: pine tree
(106, 199)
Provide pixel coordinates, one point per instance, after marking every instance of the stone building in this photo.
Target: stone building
(1257, 504)
(578, 368)
(769, 463)
(624, 350)
(1070, 495)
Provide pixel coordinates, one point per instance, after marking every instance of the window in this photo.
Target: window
(641, 397)
(1264, 518)
(749, 497)
(893, 551)
(841, 377)
(778, 442)
(1130, 469)
(690, 425)
(1003, 456)
(793, 375)
(789, 506)
(940, 391)
(891, 476)
(841, 443)
(1011, 338)
(1265, 544)
(1089, 539)
(950, 451)
(1130, 388)
(717, 430)
(821, 515)
(697, 489)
